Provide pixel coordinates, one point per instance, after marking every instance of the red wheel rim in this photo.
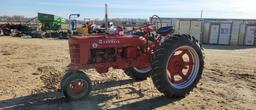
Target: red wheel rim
(77, 87)
(180, 66)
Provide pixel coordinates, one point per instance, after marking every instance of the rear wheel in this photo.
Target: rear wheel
(177, 65)
(76, 85)
(138, 73)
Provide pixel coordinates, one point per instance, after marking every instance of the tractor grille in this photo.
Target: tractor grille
(74, 53)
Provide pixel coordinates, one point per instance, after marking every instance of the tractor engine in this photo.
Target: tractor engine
(120, 56)
(111, 54)
(102, 55)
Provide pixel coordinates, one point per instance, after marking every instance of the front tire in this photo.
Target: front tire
(177, 65)
(76, 85)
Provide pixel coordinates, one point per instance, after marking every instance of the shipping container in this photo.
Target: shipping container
(225, 33)
(196, 29)
(206, 31)
(250, 34)
(190, 26)
(241, 34)
(184, 27)
(235, 32)
(174, 22)
(214, 33)
(177, 27)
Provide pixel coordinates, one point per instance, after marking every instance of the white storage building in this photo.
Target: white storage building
(216, 31)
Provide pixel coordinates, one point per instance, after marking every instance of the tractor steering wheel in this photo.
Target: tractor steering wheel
(154, 25)
(156, 21)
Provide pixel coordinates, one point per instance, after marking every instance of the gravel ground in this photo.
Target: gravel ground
(30, 71)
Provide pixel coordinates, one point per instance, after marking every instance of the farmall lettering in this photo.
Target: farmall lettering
(109, 42)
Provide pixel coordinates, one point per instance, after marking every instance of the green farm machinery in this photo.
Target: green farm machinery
(51, 24)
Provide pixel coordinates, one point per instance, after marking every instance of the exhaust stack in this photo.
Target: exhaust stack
(106, 17)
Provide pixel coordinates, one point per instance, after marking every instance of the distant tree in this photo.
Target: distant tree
(15, 18)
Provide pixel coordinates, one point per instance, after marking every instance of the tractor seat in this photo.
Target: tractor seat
(139, 33)
(165, 30)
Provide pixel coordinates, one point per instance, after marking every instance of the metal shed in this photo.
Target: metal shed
(235, 34)
(190, 26)
(217, 31)
(250, 32)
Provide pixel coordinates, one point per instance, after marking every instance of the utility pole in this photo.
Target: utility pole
(201, 14)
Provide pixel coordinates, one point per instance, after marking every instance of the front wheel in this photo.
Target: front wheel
(177, 65)
(76, 85)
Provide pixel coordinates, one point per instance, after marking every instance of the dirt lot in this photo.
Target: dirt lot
(30, 70)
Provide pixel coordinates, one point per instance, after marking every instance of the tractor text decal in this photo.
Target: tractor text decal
(109, 41)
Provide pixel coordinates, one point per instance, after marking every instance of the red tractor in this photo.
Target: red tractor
(174, 62)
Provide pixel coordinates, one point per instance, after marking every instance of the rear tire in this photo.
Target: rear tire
(169, 65)
(138, 74)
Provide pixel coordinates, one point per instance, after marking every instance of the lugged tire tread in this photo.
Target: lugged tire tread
(158, 67)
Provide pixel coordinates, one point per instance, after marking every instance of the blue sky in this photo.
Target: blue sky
(133, 8)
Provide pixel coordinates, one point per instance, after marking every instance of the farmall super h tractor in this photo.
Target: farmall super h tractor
(174, 62)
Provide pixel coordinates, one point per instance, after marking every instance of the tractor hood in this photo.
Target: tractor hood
(108, 41)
